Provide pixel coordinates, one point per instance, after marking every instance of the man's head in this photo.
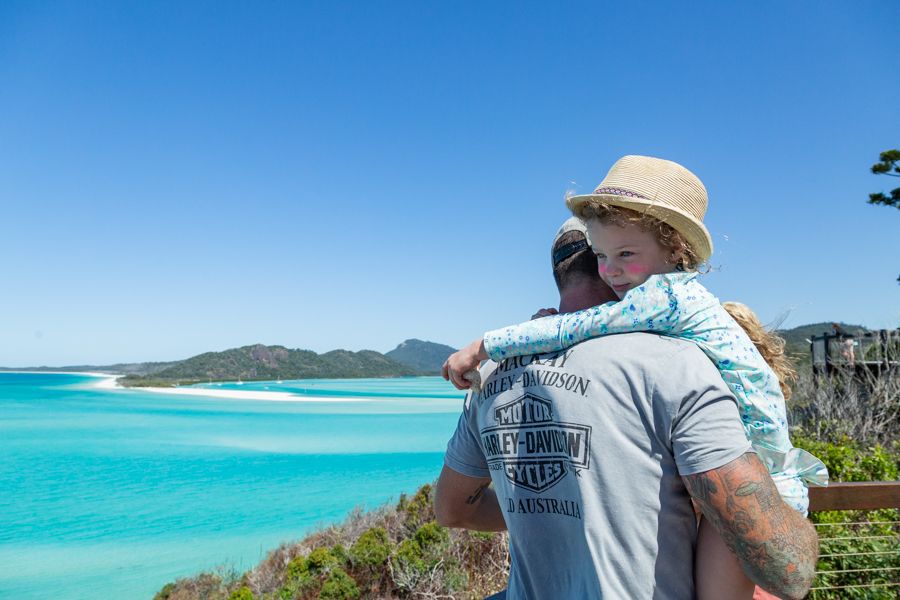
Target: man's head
(575, 269)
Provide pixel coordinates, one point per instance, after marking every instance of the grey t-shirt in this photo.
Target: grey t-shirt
(586, 449)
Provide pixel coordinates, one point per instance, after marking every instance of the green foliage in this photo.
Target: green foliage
(242, 593)
(847, 462)
(339, 586)
(889, 164)
(297, 568)
(297, 578)
(425, 549)
(431, 534)
(372, 549)
(322, 560)
(409, 554)
(857, 552)
(420, 507)
(340, 554)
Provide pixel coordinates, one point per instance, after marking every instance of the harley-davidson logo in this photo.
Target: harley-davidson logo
(533, 450)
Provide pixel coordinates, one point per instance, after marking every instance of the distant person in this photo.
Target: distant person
(573, 441)
(847, 351)
(645, 226)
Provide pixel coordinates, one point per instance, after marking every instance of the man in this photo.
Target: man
(594, 454)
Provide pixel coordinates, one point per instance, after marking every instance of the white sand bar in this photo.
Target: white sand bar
(246, 395)
(109, 382)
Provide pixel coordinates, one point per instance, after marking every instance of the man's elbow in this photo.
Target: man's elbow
(445, 515)
(795, 577)
(445, 519)
(446, 506)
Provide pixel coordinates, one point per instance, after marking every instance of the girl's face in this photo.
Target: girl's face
(627, 256)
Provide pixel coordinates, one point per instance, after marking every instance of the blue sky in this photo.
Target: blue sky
(184, 177)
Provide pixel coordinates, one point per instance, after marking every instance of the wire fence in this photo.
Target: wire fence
(859, 551)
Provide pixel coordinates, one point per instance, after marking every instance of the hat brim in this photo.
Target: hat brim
(693, 230)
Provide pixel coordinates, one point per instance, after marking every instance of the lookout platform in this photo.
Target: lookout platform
(865, 354)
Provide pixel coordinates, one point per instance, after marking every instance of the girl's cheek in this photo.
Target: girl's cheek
(636, 269)
(601, 268)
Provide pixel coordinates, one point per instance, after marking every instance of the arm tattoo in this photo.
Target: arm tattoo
(776, 546)
(476, 495)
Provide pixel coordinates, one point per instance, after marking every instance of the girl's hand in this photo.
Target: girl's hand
(462, 361)
(544, 312)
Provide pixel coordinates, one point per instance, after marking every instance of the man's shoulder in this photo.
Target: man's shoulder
(651, 355)
(639, 343)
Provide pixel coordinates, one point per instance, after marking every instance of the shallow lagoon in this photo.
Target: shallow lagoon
(112, 493)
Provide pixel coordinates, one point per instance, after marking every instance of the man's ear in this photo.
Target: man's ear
(678, 258)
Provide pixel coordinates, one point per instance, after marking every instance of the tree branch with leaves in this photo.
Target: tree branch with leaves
(889, 165)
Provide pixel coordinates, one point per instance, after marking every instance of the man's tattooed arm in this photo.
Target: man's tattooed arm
(776, 546)
(467, 502)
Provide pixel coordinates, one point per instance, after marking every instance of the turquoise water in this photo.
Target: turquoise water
(109, 494)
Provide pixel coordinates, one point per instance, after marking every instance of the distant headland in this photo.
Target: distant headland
(259, 362)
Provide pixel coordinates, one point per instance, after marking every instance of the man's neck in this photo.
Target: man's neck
(581, 295)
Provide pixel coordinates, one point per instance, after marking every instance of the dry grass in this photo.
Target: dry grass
(864, 407)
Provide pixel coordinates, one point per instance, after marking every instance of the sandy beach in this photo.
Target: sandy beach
(109, 382)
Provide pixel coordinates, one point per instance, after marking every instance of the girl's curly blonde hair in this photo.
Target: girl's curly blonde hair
(769, 344)
(684, 256)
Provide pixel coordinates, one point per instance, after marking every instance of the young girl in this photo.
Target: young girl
(645, 225)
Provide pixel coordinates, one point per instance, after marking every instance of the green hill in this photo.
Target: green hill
(144, 368)
(259, 362)
(426, 357)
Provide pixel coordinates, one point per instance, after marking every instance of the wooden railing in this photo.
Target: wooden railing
(861, 558)
(857, 495)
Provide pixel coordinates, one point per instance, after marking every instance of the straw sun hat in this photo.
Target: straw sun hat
(659, 188)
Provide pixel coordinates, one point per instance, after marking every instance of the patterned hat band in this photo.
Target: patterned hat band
(620, 192)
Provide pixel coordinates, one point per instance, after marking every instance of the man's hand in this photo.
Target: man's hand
(467, 502)
(776, 547)
(544, 312)
(463, 361)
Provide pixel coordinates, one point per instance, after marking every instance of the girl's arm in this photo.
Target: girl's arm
(659, 304)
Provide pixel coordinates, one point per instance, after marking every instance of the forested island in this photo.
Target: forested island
(259, 362)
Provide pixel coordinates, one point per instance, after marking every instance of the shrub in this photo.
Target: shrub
(242, 593)
(297, 568)
(409, 555)
(420, 507)
(372, 549)
(321, 560)
(339, 586)
(297, 578)
(340, 555)
(431, 534)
